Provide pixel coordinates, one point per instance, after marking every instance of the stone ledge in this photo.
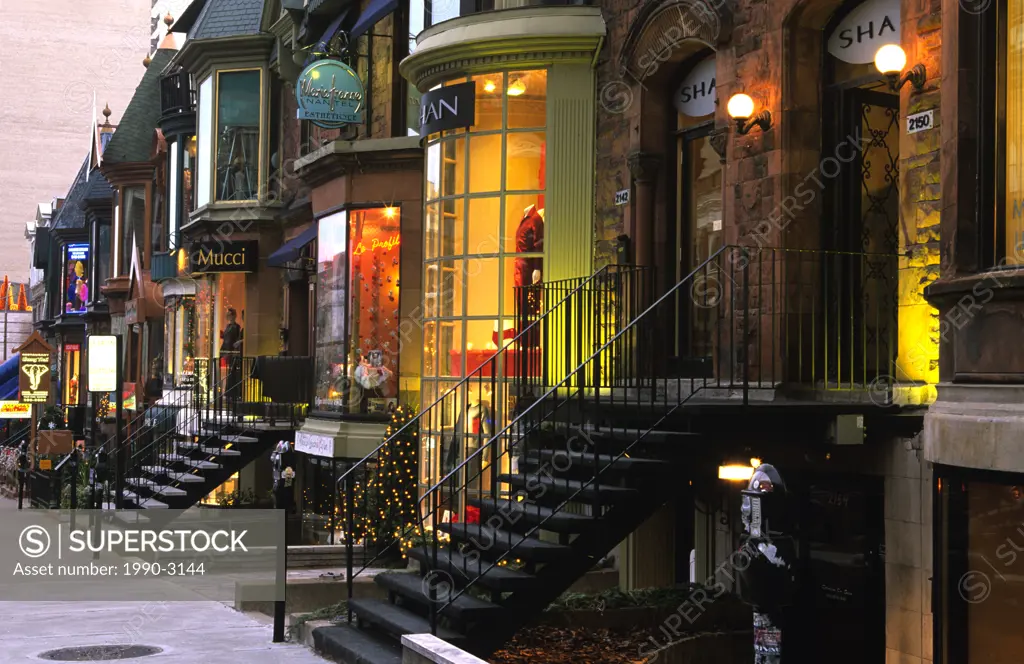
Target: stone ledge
(977, 426)
(424, 648)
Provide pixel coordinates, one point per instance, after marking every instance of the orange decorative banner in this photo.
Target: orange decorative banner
(15, 410)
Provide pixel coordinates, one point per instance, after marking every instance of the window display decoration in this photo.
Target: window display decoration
(76, 287)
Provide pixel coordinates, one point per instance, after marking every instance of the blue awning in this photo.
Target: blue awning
(292, 249)
(377, 10)
(332, 29)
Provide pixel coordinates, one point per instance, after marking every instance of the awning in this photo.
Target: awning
(377, 10)
(321, 46)
(292, 249)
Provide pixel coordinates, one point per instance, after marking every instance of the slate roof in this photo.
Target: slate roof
(133, 139)
(97, 189)
(71, 215)
(227, 18)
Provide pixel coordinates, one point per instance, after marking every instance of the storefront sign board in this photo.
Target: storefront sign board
(329, 94)
(314, 444)
(870, 26)
(34, 369)
(15, 410)
(696, 95)
(446, 108)
(213, 256)
(101, 367)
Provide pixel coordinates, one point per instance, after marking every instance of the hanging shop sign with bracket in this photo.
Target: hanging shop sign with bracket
(330, 94)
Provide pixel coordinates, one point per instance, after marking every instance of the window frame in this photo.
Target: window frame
(261, 185)
(348, 209)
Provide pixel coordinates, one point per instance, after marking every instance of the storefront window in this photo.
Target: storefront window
(204, 142)
(179, 341)
(230, 313)
(239, 106)
(133, 225)
(72, 366)
(484, 235)
(358, 279)
(1012, 231)
(76, 278)
(983, 568)
(102, 266)
(173, 197)
(188, 180)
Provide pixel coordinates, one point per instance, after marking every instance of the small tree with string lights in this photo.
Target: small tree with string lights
(385, 497)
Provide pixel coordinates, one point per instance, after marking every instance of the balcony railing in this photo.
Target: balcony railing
(176, 94)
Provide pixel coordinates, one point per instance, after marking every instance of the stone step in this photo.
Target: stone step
(200, 464)
(144, 503)
(156, 487)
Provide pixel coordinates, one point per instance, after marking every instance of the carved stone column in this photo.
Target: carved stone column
(643, 167)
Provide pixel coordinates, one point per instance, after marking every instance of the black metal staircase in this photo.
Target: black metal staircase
(583, 459)
(192, 441)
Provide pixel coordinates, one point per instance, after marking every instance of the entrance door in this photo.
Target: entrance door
(842, 602)
(699, 229)
(858, 274)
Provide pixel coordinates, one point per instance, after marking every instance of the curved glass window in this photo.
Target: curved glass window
(239, 107)
(483, 232)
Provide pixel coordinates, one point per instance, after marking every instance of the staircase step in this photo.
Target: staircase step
(173, 474)
(516, 513)
(144, 503)
(398, 621)
(491, 543)
(156, 487)
(462, 568)
(561, 461)
(219, 451)
(195, 463)
(415, 588)
(348, 643)
(536, 486)
(237, 438)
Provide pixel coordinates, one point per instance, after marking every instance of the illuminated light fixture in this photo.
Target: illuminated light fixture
(489, 86)
(390, 212)
(891, 59)
(741, 109)
(735, 472)
(516, 88)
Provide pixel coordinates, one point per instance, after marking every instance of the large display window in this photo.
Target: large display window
(357, 326)
(179, 341)
(484, 236)
(980, 556)
(72, 368)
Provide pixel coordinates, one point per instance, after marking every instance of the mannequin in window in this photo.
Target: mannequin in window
(528, 270)
(230, 351)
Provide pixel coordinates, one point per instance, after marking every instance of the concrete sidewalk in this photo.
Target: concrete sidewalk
(187, 632)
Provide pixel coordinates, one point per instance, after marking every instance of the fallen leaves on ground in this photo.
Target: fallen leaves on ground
(560, 645)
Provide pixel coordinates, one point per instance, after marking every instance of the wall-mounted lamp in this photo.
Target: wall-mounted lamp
(741, 109)
(738, 472)
(890, 60)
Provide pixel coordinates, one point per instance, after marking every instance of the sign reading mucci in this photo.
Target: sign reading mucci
(329, 94)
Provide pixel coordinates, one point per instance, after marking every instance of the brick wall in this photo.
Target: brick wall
(53, 55)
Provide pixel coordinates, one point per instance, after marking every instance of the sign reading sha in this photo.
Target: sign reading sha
(697, 94)
(330, 94)
(870, 26)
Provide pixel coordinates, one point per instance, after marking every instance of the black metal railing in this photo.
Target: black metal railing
(746, 318)
(176, 94)
(224, 393)
(460, 420)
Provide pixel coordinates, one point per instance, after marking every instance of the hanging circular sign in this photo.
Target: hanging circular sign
(330, 94)
(697, 94)
(870, 26)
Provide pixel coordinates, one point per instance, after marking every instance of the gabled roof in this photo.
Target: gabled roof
(71, 215)
(97, 189)
(227, 18)
(133, 139)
